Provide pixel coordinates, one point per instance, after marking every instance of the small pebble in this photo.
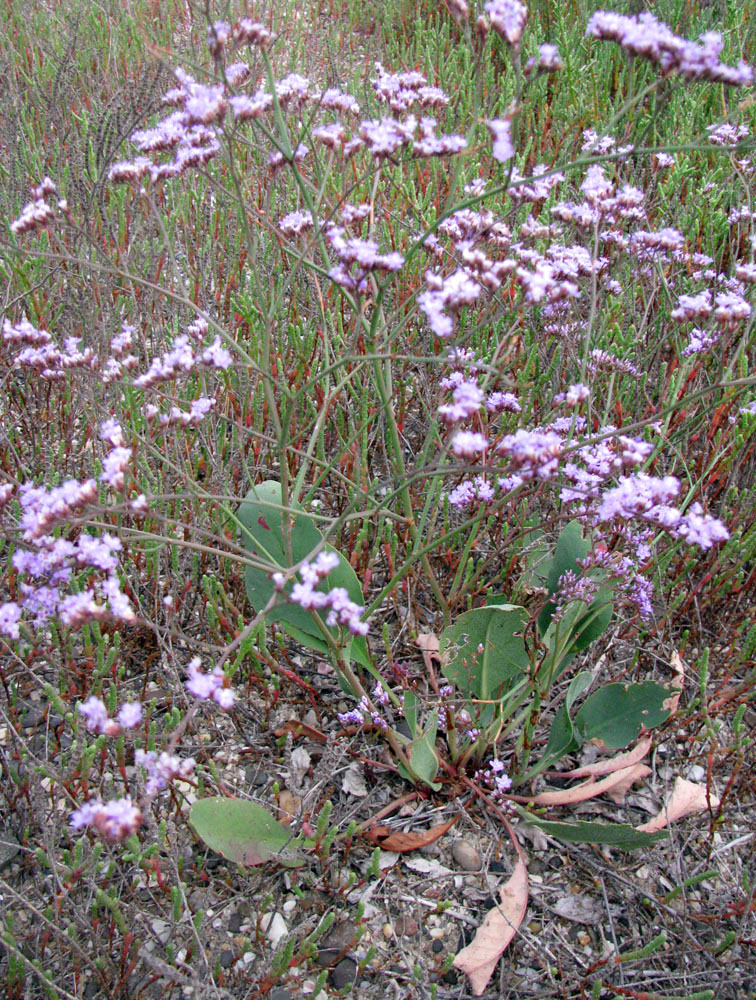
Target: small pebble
(406, 926)
(274, 926)
(344, 974)
(226, 958)
(437, 947)
(162, 930)
(235, 922)
(466, 855)
(279, 993)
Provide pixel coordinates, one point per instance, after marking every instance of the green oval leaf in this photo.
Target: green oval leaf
(616, 712)
(571, 547)
(484, 650)
(282, 542)
(244, 832)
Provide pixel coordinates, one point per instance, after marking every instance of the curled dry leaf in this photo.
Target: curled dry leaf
(626, 759)
(393, 840)
(429, 646)
(299, 729)
(624, 778)
(632, 774)
(686, 799)
(289, 806)
(678, 666)
(478, 960)
(353, 782)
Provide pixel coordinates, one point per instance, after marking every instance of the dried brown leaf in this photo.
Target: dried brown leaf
(298, 729)
(678, 684)
(626, 759)
(478, 960)
(591, 788)
(289, 806)
(635, 773)
(429, 645)
(393, 840)
(686, 799)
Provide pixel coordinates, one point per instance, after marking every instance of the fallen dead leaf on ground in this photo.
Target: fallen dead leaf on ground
(393, 840)
(353, 782)
(298, 729)
(611, 764)
(621, 779)
(478, 960)
(288, 806)
(678, 683)
(429, 646)
(618, 792)
(686, 799)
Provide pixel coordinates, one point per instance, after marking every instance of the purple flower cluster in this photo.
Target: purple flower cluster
(42, 355)
(649, 499)
(341, 610)
(115, 821)
(358, 259)
(38, 214)
(51, 561)
(495, 778)
(10, 616)
(651, 39)
(447, 295)
(209, 686)
(572, 587)
(39, 352)
(182, 359)
(362, 715)
(403, 90)
(508, 19)
(97, 719)
(163, 768)
(191, 134)
(501, 131)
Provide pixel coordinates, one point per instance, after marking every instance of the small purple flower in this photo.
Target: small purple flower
(216, 356)
(467, 401)
(468, 444)
(700, 529)
(130, 715)
(10, 616)
(549, 59)
(95, 714)
(249, 32)
(163, 768)
(534, 453)
(338, 101)
(115, 821)
(212, 685)
(508, 19)
(245, 108)
(501, 130)
(114, 466)
(651, 39)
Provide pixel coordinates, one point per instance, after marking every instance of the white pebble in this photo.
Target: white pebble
(274, 926)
